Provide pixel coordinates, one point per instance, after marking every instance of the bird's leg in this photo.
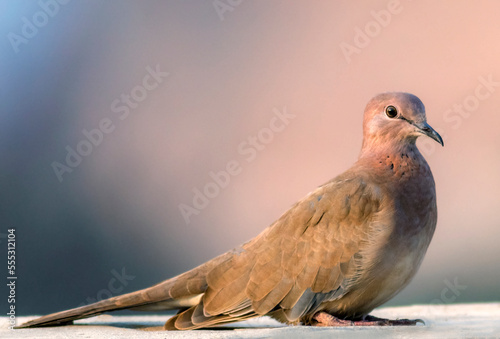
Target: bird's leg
(324, 319)
(388, 322)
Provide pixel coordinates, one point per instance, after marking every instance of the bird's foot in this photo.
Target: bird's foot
(324, 319)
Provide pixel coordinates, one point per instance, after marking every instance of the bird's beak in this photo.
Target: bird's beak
(426, 129)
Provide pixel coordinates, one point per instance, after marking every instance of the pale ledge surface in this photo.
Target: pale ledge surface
(441, 321)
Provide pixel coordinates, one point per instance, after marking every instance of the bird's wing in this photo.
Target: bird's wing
(310, 255)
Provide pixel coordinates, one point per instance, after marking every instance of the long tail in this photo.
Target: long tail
(182, 291)
(113, 304)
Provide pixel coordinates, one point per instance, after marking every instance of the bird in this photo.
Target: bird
(346, 248)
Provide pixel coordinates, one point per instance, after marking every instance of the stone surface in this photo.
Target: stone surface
(441, 321)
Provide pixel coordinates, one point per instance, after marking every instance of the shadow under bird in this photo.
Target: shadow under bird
(346, 248)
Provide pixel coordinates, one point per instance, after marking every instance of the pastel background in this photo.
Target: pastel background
(231, 66)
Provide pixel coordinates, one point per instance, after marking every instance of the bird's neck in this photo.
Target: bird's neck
(401, 159)
(379, 147)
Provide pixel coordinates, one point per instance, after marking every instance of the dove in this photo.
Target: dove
(346, 248)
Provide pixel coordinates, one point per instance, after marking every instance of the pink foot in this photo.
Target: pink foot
(324, 319)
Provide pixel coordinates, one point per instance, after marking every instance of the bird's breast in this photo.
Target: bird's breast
(401, 233)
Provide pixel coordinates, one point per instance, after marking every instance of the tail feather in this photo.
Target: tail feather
(180, 292)
(132, 300)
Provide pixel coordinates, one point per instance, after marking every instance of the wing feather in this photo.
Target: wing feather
(309, 256)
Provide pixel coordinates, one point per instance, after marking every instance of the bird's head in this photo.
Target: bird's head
(396, 118)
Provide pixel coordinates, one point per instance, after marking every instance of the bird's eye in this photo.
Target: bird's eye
(391, 112)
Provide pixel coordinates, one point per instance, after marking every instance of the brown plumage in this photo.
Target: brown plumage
(346, 248)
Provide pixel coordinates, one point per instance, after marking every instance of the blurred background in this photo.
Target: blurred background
(114, 116)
